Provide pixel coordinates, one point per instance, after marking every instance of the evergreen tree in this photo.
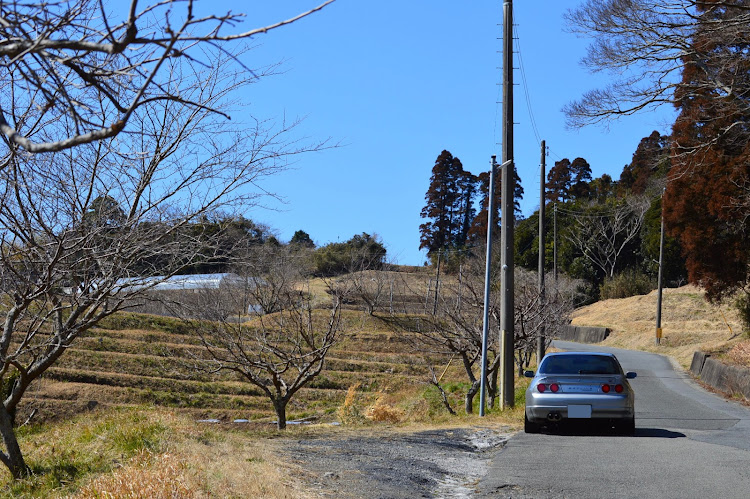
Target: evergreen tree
(559, 179)
(580, 176)
(648, 158)
(478, 230)
(449, 201)
(302, 239)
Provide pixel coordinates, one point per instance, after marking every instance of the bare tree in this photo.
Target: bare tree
(280, 352)
(78, 71)
(82, 229)
(456, 329)
(603, 232)
(535, 312)
(646, 46)
(270, 275)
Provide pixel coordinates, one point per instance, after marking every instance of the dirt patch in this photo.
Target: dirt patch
(432, 463)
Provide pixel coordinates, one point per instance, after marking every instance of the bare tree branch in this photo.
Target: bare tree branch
(62, 61)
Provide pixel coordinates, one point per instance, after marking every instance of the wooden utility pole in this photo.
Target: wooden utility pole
(661, 264)
(554, 242)
(540, 341)
(507, 302)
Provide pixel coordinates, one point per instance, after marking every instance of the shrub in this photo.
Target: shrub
(350, 411)
(383, 412)
(628, 283)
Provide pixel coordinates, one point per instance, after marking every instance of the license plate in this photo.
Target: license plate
(579, 411)
(581, 388)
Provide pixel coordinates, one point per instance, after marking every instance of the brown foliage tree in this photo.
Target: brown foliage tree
(711, 154)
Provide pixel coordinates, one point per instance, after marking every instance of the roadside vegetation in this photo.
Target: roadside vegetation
(121, 414)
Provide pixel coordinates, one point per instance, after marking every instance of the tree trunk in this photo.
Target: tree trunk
(279, 405)
(492, 387)
(12, 458)
(469, 405)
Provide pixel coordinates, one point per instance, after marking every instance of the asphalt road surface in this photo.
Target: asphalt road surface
(688, 443)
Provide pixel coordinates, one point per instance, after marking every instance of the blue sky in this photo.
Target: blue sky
(396, 82)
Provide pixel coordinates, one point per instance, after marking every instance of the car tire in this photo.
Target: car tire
(529, 427)
(626, 427)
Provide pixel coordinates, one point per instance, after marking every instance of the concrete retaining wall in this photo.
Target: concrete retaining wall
(730, 379)
(583, 334)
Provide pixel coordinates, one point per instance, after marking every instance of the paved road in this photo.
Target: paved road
(688, 444)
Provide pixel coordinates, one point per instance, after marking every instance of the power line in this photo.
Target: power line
(526, 92)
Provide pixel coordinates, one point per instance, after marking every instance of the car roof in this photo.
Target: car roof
(602, 354)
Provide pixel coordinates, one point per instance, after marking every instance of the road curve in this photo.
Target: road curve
(688, 443)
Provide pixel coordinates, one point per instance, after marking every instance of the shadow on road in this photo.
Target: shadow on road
(603, 431)
(657, 433)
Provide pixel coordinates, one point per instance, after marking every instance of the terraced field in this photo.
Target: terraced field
(136, 359)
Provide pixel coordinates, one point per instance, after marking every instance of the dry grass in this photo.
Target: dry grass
(150, 453)
(689, 323)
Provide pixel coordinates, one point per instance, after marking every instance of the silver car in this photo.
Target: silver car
(580, 386)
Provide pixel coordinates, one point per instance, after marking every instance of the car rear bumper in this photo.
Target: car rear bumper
(550, 407)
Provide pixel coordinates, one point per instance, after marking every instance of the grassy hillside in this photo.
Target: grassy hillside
(136, 359)
(689, 323)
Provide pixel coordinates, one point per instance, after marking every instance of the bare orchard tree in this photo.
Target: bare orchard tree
(370, 287)
(270, 275)
(279, 352)
(80, 230)
(456, 329)
(78, 71)
(536, 312)
(603, 232)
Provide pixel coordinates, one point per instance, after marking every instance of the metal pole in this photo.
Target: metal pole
(540, 340)
(487, 269)
(507, 304)
(659, 285)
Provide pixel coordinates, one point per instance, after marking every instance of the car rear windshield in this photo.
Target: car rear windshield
(579, 364)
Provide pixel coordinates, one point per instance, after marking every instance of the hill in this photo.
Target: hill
(138, 359)
(689, 323)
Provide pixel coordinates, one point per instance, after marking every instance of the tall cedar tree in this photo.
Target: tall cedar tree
(568, 181)
(580, 177)
(558, 181)
(711, 155)
(449, 205)
(478, 230)
(648, 158)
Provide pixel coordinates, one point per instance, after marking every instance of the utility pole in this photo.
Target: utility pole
(487, 267)
(542, 235)
(661, 263)
(554, 242)
(507, 303)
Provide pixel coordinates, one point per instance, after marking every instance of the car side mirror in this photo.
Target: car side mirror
(630, 375)
(528, 374)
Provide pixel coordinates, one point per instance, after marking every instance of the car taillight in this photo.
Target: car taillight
(619, 388)
(605, 388)
(541, 387)
(554, 387)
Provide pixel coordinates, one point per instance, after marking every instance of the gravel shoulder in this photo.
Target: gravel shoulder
(397, 463)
